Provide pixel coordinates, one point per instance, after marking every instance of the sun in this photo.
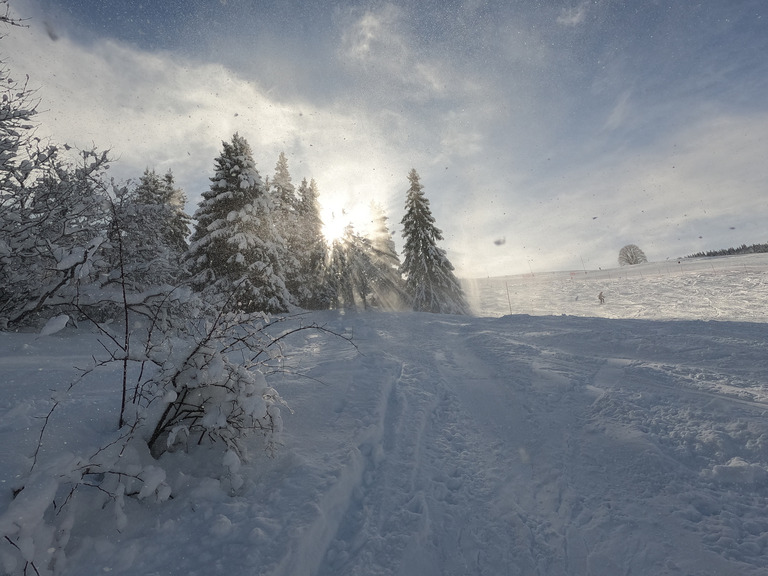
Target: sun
(337, 217)
(335, 223)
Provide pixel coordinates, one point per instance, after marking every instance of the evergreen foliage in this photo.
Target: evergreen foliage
(341, 276)
(152, 229)
(743, 249)
(429, 279)
(73, 242)
(285, 210)
(363, 272)
(387, 287)
(168, 201)
(234, 250)
(310, 249)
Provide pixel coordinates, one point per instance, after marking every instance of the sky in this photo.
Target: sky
(547, 134)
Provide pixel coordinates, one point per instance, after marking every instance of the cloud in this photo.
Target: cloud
(377, 46)
(619, 112)
(373, 37)
(693, 182)
(574, 15)
(163, 111)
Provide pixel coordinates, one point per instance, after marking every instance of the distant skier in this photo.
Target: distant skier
(601, 298)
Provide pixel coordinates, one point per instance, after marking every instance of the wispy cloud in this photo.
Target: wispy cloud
(373, 37)
(619, 112)
(574, 15)
(376, 45)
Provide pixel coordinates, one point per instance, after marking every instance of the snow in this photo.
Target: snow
(568, 438)
(55, 324)
(696, 289)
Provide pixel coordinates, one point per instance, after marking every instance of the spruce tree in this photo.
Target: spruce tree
(386, 282)
(361, 274)
(285, 216)
(154, 190)
(429, 279)
(233, 254)
(347, 275)
(153, 232)
(309, 246)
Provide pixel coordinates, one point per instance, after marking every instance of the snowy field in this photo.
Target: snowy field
(720, 288)
(566, 438)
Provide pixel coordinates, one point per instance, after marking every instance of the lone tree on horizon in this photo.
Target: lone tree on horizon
(630, 255)
(429, 279)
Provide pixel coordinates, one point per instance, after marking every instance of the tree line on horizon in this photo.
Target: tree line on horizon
(743, 249)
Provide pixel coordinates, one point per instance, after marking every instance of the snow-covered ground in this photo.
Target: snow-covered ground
(566, 438)
(722, 288)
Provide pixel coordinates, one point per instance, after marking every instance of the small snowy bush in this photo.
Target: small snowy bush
(212, 388)
(184, 384)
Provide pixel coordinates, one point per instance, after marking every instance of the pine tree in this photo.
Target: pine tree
(387, 283)
(309, 246)
(360, 275)
(233, 254)
(429, 278)
(162, 192)
(285, 210)
(348, 271)
(153, 227)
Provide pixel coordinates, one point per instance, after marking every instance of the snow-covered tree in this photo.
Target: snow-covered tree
(148, 233)
(17, 110)
(52, 232)
(360, 274)
(346, 271)
(429, 279)
(285, 215)
(284, 195)
(630, 255)
(162, 192)
(234, 251)
(386, 282)
(310, 249)
(54, 212)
